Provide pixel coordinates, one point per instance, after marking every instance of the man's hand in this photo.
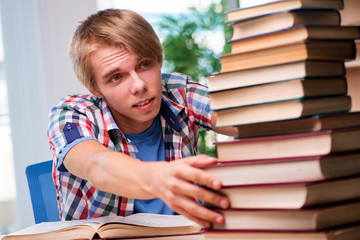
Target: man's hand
(178, 184)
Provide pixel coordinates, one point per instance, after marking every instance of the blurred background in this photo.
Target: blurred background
(35, 72)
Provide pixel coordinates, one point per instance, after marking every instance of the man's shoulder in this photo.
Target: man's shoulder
(80, 101)
(174, 80)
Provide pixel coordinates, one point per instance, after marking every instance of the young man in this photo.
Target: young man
(114, 149)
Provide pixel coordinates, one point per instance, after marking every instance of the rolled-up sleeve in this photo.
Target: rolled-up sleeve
(69, 124)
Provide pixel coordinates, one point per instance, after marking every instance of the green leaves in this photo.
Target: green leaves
(189, 44)
(188, 38)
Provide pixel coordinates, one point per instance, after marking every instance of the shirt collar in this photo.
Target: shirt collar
(108, 117)
(169, 111)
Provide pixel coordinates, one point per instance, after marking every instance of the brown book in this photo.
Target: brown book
(293, 195)
(307, 124)
(241, 14)
(352, 77)
(290, 145)
(110, 227)
(284, 20)
(319, 218)
(342, 233)
(292, 35)
(284, 170)
(282, 110)
(279, 91)
(305, 50)
(275, 73)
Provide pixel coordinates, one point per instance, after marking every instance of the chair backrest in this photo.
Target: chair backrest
(42, 192)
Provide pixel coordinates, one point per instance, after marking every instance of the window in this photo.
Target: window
(7, 178)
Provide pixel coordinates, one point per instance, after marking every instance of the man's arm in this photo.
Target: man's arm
(173, 182)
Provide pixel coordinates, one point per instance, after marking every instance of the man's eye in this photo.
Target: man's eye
(145, 64)
(116, 78)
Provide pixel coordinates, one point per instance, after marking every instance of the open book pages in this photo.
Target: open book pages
(140, 224)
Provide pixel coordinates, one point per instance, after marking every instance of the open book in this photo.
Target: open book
(136, 225)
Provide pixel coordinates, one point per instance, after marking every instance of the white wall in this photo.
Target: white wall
(36, 35)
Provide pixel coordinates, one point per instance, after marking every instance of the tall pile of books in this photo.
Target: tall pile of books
(294, 170)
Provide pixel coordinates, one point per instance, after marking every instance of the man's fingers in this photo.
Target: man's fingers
(200, 193)
(196, 212)
(178, 190)
(199, 176)
(202, 222)
(201, 160)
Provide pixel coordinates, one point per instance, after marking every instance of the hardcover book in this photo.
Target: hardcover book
(290, 145)
(279, 91)
(241, 14)
(331, 50)
(283, 20)
(293, 195)
(342, 233)
(319, 218)
(293, 35)
(282, 110)
(275, 73)
(284, 170)
(307, 124)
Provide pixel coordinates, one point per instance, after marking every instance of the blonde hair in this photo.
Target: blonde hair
(112, 27)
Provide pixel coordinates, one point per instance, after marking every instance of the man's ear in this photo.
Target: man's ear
(96, 92)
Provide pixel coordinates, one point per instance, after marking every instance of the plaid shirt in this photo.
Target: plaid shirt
(76, 118)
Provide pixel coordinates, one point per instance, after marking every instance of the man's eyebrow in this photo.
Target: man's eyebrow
(108, 74)
(111, 72)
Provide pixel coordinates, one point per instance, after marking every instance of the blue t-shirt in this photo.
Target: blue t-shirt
(150, 147)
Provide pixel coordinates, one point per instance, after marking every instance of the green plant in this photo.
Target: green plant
(187, 49)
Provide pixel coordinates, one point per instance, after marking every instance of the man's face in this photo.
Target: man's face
(130, 85)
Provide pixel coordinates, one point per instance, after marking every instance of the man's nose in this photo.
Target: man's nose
(138, 83)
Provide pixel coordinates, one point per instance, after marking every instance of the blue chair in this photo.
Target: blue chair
(42, 192)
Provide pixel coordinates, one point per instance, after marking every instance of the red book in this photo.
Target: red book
(241, 14)
(343, 233)
(320, 218)
(282, 170)
(293, 195)
(290, 145)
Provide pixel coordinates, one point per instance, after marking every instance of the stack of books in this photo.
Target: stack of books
(294, 170)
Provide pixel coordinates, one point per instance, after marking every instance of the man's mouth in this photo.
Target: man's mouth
(143, 103)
